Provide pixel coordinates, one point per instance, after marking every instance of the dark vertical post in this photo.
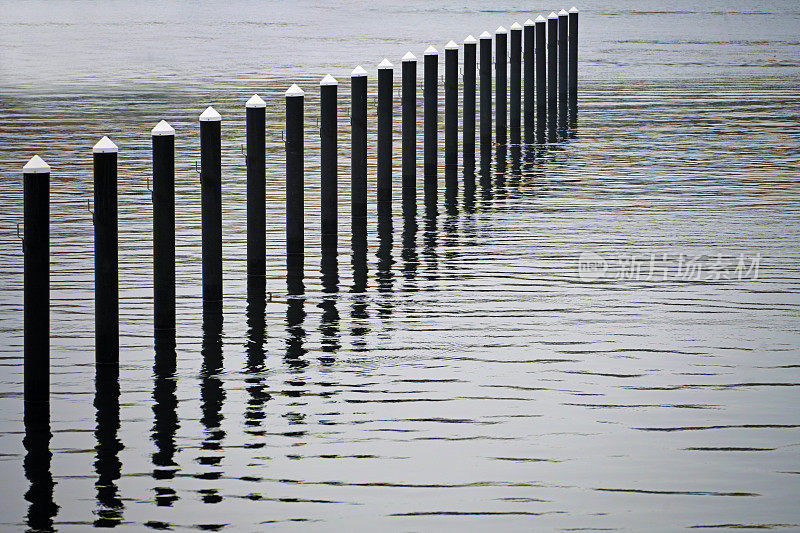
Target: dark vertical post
(501, 80)
(451, 116)
(430, 126)
(255, 116)
(385, 97)
(529, 70)
(541, 78)
(409, 141)
(164, 234)
(211, 208)
(486, 94)
(294, 187)
(329, 169)
(562, 69)
(573, 66)
(358, 138)
(552, 76)
(36, 300)
(106, 259)
(468, 141)
(516, 83)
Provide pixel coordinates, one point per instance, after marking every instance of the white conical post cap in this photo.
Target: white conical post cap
(451, 46)
(470, 39)
(210, 115)
(552, 15)
(294, 90)
(563, 13)
(516, 26)
(485, 35)
(541, 19)
(573, 9)
(329, 80)
(529, 22)
(358, 72)
(256, 101)
(385, 64)
(162, 129)
(36, 166)
(501, 30)
(431, 51)
(409, 57)
(105, 146)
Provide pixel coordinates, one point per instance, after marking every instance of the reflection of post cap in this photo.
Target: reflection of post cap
(573, 9)
(516, 26)
(470, 40)
(358, 72)
(540, 19)
(329, 80)
(105, 146)
(409, 57)
(210, 115)
(451, 46)
(485, 35)
(36, 166)
(256, 101)
(162, 129)
(294, 90)
(385, 64)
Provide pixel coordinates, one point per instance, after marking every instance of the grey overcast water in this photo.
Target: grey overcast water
(602, 335)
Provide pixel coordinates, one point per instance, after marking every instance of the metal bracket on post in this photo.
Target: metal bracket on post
(89, 208)
(196, 168)
(20, 237)
(149, 188)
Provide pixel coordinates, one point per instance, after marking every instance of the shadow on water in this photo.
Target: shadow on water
(107, 463)
(385, 274)
(329, 322)
(358, 311)
(42, 509)
(212, 397)
(254, 366)
(165, 421)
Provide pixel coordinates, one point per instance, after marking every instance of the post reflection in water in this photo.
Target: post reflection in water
(451, 191)
(385, 275)
(165, 421)
(409, 254)
(485, 174)
(107, 463)
(358, 290)
(42, 509)
(329, 322)
(254, 347)
(516, 165)
(501, 157)
(212, 397)
(295, 314)
(429, 243)
(469, 190)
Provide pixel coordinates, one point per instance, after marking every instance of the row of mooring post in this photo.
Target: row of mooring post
(543, 69)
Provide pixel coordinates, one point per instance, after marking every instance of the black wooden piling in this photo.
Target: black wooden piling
(468, 117)
(573, 66)
(385, 97)
(541, 77)
(211, 208)
(409, 134)
(430, 125)
(501, 80)
(255, 117)
(164, 234)
(486, 94)
(358, 139)
(552, 76)
(450, 111)
(36, 299)
(329, 162)
(515, 81)
(563, 19)
(529, 71)
(294, 186)
(106, 259)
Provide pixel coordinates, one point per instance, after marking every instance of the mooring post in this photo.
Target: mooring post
(552, 76)
(501, 80)
(36, 299)
(106, 259)
(385, 97)
(486, 94)
(409, 133)
(358, 152)
(430, 126)
(541, 78)
(529, 71)
(294, 185)
(563, 21)
(573, 66)
(468, 118)
(255, 117)
(211, 208)
(164, 234)
(451, 117)
(329, 163)
(516, 83)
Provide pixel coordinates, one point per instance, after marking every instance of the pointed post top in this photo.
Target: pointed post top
(162, 129)
(563, 13)
(485, 35)
(36, 166)
(431, 51)
(294, 90)
(385, 64)
(470, 39)
(573, 9)
(501, 30)
(529, 22)
(552, 15)
(210, 115)
(516, 26)
(256, 101)
(329, 80)
(105, 146)
(358, 72)
(409, 57)
(540, 19)
(451, 46)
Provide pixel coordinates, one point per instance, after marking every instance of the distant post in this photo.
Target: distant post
(541, 78)
(552, 76)
(255, 117)
(385, 97)
(468, 118)
(486, 94)
(358, 152)
(501, 79)
(430, 129)
(516, 83)
(562, 69)
(573, 66)
(529, 70)
(294, 184)
(409, 139)
(329, 159)
(211, 208)
(164, 234)
(450, 112)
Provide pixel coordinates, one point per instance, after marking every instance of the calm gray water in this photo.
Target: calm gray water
(603, 335)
